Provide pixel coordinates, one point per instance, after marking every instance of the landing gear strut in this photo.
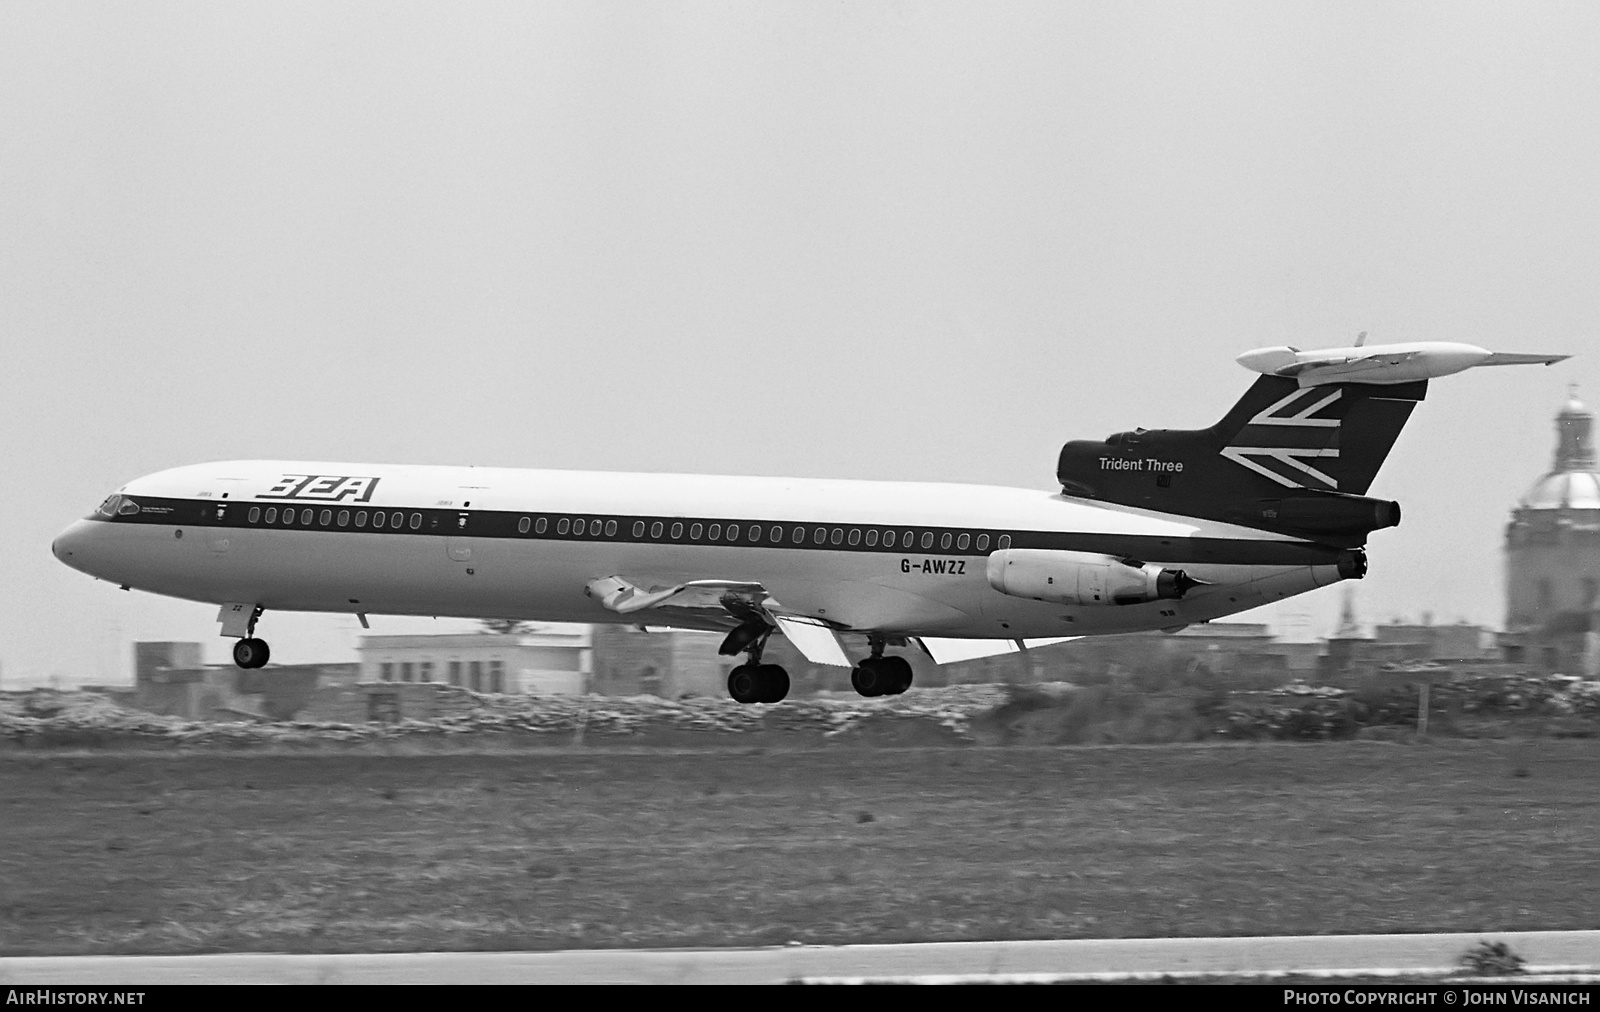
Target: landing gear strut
(879, 675)
(752, 681)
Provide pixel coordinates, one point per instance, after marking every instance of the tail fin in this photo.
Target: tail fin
(1285, 457)
(1329, 438)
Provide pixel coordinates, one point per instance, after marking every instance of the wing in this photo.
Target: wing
(721, 605)
(625, 596)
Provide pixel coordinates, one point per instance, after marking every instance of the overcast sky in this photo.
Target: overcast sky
(875, 240)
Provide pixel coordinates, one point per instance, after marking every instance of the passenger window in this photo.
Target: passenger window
(326, 518)
(1005, 541)
(577, 526)
(563, 525)
(361, 518)
(677, 531)
(344, 518)
(695, 531)
(541, 525)
(838, 536)
(983, 542)
(523, 525)
(855, 535)
(872, 537)
(396, 519)
(819, 535)
(733, 532)
(416, 521)
(255, 513)
(775, 535)
(944, 540)
(799, 536)
(888, 539)
(962, 541)
(611, 528)
(305, 516)
(594, 528)
(638, 528)
(656, 529)
(714, 532)
(288, 516)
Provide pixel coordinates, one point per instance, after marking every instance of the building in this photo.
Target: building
(670, 663)
(170, 679)
(1553, 558)
(544, 660)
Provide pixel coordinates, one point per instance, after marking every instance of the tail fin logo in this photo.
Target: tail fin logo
(1280, 440)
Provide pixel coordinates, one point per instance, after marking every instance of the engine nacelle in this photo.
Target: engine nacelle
(1043, 574)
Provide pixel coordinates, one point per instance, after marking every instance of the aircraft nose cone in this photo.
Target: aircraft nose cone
(69, 545)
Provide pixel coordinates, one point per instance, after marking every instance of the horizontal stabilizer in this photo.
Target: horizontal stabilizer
(945, 650)
(1380, 364)
(818, 642)
(1512, 358)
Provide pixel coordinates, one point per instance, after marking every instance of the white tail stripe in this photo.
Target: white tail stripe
(1284, 455)
(1302, 417)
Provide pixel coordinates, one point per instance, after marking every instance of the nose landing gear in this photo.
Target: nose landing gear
(240, 620)
(251, 652)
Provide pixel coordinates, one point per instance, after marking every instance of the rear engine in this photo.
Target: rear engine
(1082, 578)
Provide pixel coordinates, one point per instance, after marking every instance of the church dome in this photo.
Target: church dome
(1573, 481)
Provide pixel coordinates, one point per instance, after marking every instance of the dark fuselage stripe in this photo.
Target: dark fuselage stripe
(436, 522)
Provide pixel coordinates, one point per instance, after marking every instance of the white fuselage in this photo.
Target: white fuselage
(494, 542)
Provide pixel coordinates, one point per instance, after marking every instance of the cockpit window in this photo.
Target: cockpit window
(117, 505)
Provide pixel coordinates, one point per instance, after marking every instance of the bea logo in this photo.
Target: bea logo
(322, 488)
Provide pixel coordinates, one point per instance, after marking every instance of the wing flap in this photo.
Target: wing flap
(819, 643)
(945, 650)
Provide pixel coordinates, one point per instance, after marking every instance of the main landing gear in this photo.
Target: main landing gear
(879, 675)
(752, 681)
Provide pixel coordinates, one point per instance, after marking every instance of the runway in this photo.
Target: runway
(1545, 952)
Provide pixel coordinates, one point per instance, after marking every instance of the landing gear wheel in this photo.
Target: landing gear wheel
(251, 652)
(774, 683)
(868, 678)
(744, 684)
(899, 670)
(881, 676)
(758, 683)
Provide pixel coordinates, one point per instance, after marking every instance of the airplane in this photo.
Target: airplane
(1150, 530)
